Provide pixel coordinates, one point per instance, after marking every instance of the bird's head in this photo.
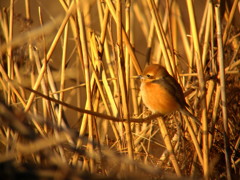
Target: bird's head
(153, 72)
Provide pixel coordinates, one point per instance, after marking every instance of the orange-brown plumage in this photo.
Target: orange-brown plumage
(161, 92)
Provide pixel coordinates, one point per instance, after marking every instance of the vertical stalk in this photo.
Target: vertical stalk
(64, 53)
(83, 40)
(201, 86)
(9, 49)
(207, 34)
(49, 54)
(229, 21)
(125, 39)
(161, 36)
(122, 80)
(223, 91)
(168, 144)
(127, 28)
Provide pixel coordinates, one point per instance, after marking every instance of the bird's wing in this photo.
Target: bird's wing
(173, 87)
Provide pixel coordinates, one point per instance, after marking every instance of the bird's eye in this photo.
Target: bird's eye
(148, 75)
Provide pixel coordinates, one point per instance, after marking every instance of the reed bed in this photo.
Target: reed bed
(70, 105)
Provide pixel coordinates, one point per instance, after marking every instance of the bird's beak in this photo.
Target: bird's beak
(141, 77)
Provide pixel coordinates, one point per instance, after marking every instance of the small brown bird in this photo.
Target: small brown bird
(161, 93)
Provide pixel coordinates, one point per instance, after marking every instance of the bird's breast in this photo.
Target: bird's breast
(158, 99)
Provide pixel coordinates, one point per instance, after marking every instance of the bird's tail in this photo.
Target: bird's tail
(186, 112)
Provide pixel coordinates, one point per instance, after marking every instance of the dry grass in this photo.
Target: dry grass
(70, 104)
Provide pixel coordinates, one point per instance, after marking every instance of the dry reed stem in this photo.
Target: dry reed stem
(133, 93)
(50, 51)
(207, 33)
(103, 46)
(62, 84)
(229, 21)
(210, 91)
(100, 89)
(142, 20)
(9, 49)
(201, 78)
(122, 81)
(8, 81)
(125, 39)
(161, 36)
(168, 144)
(223, 91)
(59, 112)
(214, 114)
(24, 37)
(204, 19)
(194, 140)
(125, 51)
(89, 118)
(185, 42)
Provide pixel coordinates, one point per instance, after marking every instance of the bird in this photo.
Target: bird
(161, 92)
